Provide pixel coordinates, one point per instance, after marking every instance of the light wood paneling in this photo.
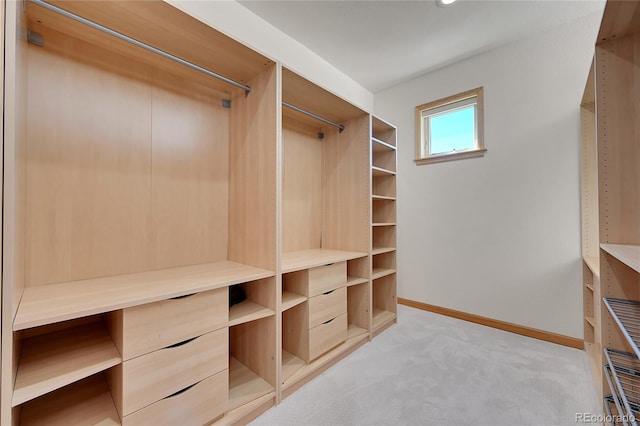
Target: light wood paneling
(295, 332)
(305, 259)
(345, 187)
(189, 177)
(618, 93)
(621, 17)
(328, 305)
(245, 386)
(252, 174)
(88, 174)
(358, 306)
(327, 335)
(301, 186)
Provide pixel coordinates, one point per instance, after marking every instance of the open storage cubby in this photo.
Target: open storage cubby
(611, 209)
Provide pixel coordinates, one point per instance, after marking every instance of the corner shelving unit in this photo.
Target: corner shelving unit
(611, 210)
(383, 225)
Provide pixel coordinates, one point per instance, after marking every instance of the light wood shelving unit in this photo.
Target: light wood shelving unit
(137, 190)
(383, 222)
(611, 209)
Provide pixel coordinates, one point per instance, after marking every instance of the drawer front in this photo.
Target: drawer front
(326, 278)
(153, 326)
(327, 335)
(154, 376)
(328, 305)
(196, 405)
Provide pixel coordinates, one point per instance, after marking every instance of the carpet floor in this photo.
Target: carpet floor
(430, 369)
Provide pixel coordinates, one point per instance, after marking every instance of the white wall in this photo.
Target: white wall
(239, 23)
(499, 236)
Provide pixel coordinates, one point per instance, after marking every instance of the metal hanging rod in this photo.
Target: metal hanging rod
(138, 43)
(317, 117)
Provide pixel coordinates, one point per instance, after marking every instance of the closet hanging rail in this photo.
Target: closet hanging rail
(138, 43)
(316, 116)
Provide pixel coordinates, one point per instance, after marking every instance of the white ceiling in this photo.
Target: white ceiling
(382, 43)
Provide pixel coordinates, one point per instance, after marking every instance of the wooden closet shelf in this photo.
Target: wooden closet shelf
(244, 385)
(381, 272)
(383, 224)
(381, 145)
(290, 365)
(356, 281)
(85, 402)
(291, 299)
(379, 171)
(625, 253)
(381, 317)
(247, 311)
(381, 250)
(626, 314)
(51, 361)
(383, 197)
(64, 301)
(304, 259)
(355, 331)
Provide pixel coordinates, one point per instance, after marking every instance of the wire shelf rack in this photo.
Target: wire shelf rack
(623, 374)
(626, 314)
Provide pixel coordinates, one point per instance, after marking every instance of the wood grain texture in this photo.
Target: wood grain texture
(301, 186)
(383, 130)
(252, 173)
(88, 175)
(618, 94)
(153, 326)
(49, 362)
(589, 171)
(14, 181)
(295, 333)
(245, 386)
(253, 345)
(189, 177)
(560, 339)
(87, 402)
(326, 306)
(327, 335)
(305, 259)
(157, 375)
(195, 406)
(619, 19)
(627, 254)
(59, 302)
(358, 302)
(345, 187)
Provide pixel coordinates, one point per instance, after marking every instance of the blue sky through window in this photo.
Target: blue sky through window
(453, 130)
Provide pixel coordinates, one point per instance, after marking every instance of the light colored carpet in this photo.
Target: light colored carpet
(434, 370)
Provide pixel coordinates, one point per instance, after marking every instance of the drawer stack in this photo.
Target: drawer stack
(175, 360)
(320, 323)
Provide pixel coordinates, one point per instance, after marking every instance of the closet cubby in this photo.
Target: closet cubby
(152, 167)
(611, 210)
(384, 302)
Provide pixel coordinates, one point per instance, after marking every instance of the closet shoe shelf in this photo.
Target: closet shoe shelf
(622, 371)
(626, 314)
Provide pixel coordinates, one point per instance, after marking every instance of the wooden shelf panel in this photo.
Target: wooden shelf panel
(379, 171)
(244, 385)
(325, 359)
(356, 281)
(590, 287)
(381, 272)
(291, 299)
(591, 320)
(355, 331)
(380, 145)
(625, 253)
(593, 263)
(304, 259)
(247, 311)
(381, 250)
(383, 197)
(64, 301)
(291, 364)
(51, 361)
(87, 402)
(384, 224)
(381, 318)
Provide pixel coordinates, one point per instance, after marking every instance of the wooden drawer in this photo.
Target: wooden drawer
(327, 335)
(149, 378)
(326, 278)
(196, 405)
(153, 326)
(327, 305)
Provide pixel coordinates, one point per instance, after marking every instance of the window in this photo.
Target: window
(450, 128)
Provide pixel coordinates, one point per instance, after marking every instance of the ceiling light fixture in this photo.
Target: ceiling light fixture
(444, 3)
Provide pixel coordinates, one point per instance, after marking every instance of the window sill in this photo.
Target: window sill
(451, 157)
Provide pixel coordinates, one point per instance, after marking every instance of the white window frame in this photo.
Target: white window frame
(443, 106)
